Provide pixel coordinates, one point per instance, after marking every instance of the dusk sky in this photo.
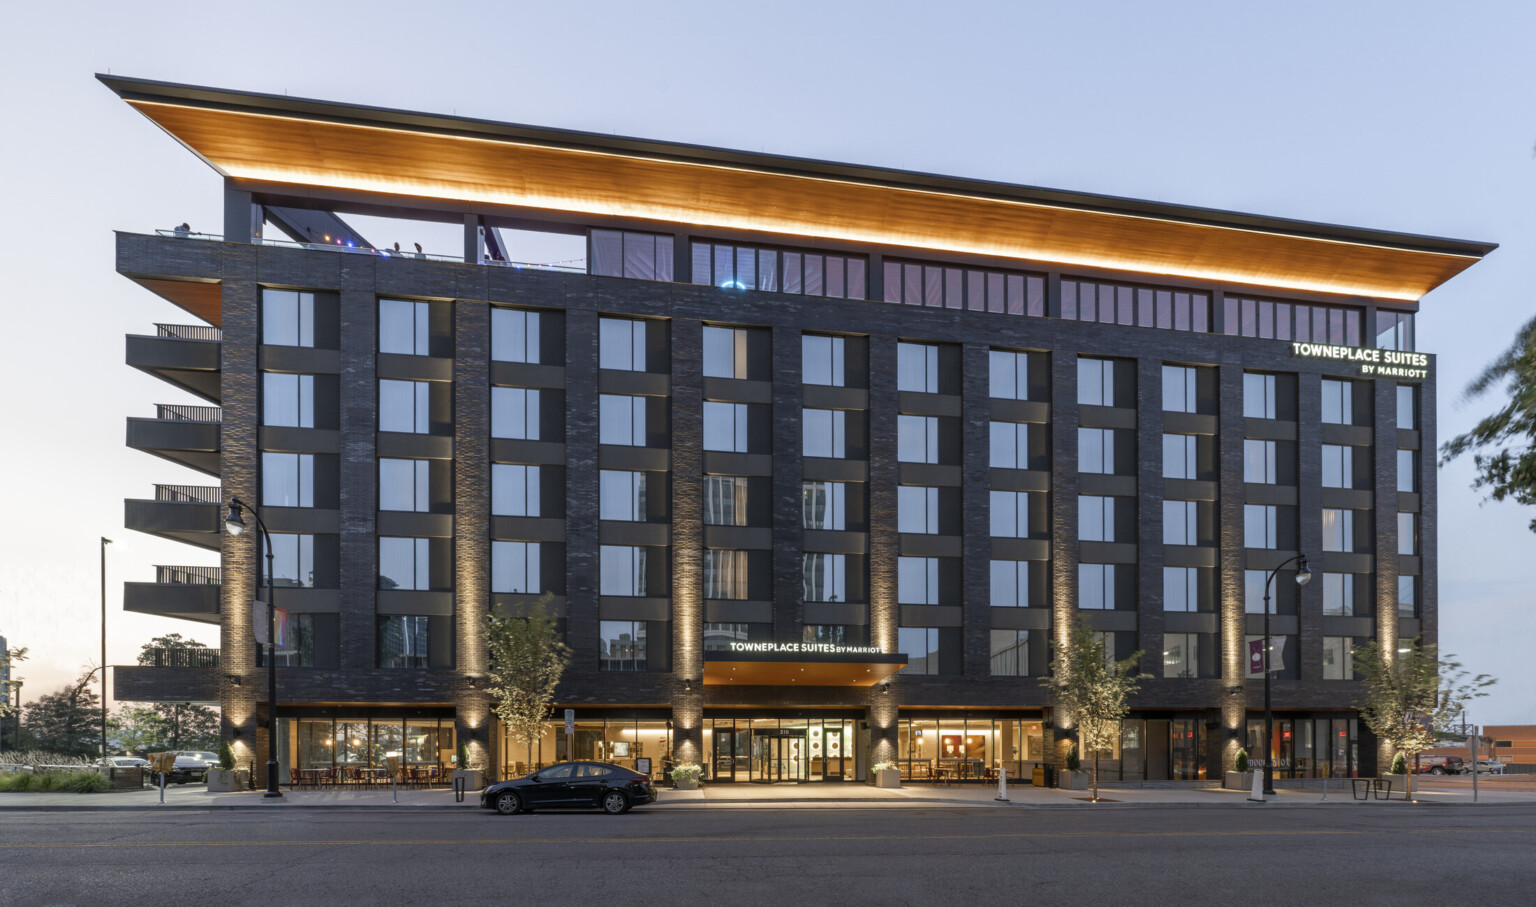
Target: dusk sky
(1416, 117)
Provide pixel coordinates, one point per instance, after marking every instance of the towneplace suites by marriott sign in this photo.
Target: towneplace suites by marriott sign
(805, 648)
(815, 664)
(1373, 363)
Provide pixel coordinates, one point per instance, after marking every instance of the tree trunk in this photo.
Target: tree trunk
(1095, 776)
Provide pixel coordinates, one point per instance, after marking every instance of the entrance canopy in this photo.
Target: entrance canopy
(800, 664)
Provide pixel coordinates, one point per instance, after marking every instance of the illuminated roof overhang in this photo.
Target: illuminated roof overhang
(398, 154)
(799, 669)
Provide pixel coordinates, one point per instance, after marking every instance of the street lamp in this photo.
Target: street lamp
(104, 543)
(1303, 576)
(235, 525)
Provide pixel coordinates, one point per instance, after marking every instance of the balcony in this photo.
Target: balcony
(190, 675)
(183, 513)
(189, 435)
(185, 355)
(188, 593)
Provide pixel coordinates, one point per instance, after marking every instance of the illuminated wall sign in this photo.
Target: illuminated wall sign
(1376, 363)
(803, 648)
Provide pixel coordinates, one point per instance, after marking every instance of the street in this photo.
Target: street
(846, 856)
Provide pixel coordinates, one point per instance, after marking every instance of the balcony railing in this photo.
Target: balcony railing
(189, 332)
(190, 494)
(179, 413)
(383, 253)
(190, 576)
(179, 658)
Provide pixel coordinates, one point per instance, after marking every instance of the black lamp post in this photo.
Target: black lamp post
(104, 543)
(1303, 576)
(236, 525)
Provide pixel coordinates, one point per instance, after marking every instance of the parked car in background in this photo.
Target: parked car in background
(1428, 763)
(1490, 767)
(570, 785)
(124, 762)
(191, 766)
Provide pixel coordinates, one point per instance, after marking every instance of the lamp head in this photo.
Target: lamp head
(1303, 572)
(232, 521)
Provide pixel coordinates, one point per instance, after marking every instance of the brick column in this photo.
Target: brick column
(471, 518)
(1232, 561)
(976, 491)
(1064, 547)
(359, 480)
(788, 476)
(240, 462)
(688, 540)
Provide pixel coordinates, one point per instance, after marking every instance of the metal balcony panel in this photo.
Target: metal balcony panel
(192, 365)
(196, 523)
(194, 444)
(199, 602)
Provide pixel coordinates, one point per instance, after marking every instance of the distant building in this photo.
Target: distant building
(1513, 744)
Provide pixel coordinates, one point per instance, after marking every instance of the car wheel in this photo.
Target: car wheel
(1437, 770)
(508, 802)
(614, 802)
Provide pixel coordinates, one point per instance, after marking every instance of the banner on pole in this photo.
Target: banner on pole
(1256, 655)
(259, 624)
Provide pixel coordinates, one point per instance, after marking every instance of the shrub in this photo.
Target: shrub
(81, 782)
(688, 771)
(226, 757)
(883, 767)
(1073, 762)
(462, 763)
(1242, 760)
(1399, 765)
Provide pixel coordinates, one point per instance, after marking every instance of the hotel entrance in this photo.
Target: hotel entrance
(780, 750)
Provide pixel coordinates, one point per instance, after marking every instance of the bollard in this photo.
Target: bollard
(1257, 794)
(459, 786)
(1002, 783)
(162, 788)
(394, 792)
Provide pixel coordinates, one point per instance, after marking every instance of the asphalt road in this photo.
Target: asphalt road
(794, 857)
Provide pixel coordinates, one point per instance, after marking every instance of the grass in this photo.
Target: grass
(79, 782)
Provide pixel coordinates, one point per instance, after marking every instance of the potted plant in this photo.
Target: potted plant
(1242, 778)
(224, 778)
(474, 777)
(885, 774)
(1399, 765)
(1073, 777)
(686, 776)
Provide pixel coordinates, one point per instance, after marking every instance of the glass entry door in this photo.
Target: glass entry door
(779, 756)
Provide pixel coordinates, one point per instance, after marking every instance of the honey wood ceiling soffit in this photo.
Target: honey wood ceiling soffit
(202, 299)
(407, 159)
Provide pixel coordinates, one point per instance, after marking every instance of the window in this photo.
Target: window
(1181, 657)
(921, 646)
(288, 400)
(1010, 653)
(725, 426)
(1338, 658)
(917, 367)
(1259, 529)
(917, 580)
(1253, 592)
(1180, 394)
(1096, 382)
(287, 480)
(623, 570)
(1010, 514)
(1181, 589)
(621, 495)
(293, 558)
(1148, 307)
(1394, 330)
(515, 413)
(622, 420)
(1338, 405)
(1339, 594)
(1407, 406)
(1338, 530)
(1095, 518)
(301, 642)
(725, 574)
(1338, 466)
(1181, 523)
(725, 500)
(621, 645)
(1408, 596)
(781, 271)
(1181, 459)
(405, 485)
(826, 433)
(514, 490)
(917, 439)
(718, 637)
(1096, 450)
(833, 634)
(621, 344)
(287, 318)
(917, 509)
(936, 286)
(1259, 396)
(1096, 586)
(405, 406)
(725, 352)
(1009, 374)
(404, 641)
(1010, 445)
(514, 335)
(638, 256)
(515, 568)
(1010, 584)
(403, 327)
(1259, 462)
(405, 564)
(1407, 533)
(824, 505)
(1407, 471)
(821, 360)
(824, 577)
(1273, 320)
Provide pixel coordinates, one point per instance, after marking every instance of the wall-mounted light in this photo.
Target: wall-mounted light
(885, 687)
(238, 733)
(687, 685)
(234, 679)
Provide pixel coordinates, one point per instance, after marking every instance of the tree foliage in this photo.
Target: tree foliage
(134, 729)
(67, 721)
(181, 725)
(527, 658)
(1091, 690)
(1502, 443)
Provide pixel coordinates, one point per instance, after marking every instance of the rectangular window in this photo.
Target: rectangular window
(921, 646)
(917, 580)
(621, 645)
(917, 509)
(621, 420)
(404, 641)
(514, 490)
(1096, 450)
(1009, 374)
(621, 495)
(515, 413)
(1407, 470)
(1010, 653)
(1010, 584)
(718, 637)
(917, 439)
(1259, 526)
(1407, 533)
(288, 400)
(405, 485)
(1338, 405)
(1181, 589)
(1407, 406)
(1253, 592)
(821, 361)
(937, 286)
(287, 480)
(1180, 394)
(403, 327)
(405, 563)
(725, 426)
(621, 344)
(725, 574)
(917, 367)
(1181, 658)
(623, 570)
(405, 406)
(1096, 586)
(1339, 594)
(1259, 462)
(736, 267)
(1338, 530)
(1096, 382)
(627, 253)
(825, 433)
(287, 318)
(1181, 458)
(1259, 396)
(824, 577)
(1095, 518)
(514, 335)
(515, 567)
(725, 501)
(1181, 523)
(725, 352)
(293, 558)
(1010, 514)
(1407, 596)
(301, 642)
(824, 505)
(1338, 658)
(1010, 445)
(1338, 466)
(1394, 330)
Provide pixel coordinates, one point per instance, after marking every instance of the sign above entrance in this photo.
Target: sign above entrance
(1373, 363)
(799, 664)
(804, 648)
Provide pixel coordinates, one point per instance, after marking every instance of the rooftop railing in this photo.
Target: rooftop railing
(190, 576)
(179, 658)
(189, 332)
(382, 253)
(180, 413)
(190, 494)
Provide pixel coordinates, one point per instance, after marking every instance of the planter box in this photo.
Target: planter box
(1072, 780)
(888, 778)
(686, 784)
(1237, 780)
(474, 779)
(221, 781)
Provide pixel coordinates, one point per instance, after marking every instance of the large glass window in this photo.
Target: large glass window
(1096, 586)
(1181, 657)
(287, 318)
(822, 360)
(1338, 529)
(622, 420)
(1271, 320)
(917, 367)
(405, 485)
(1181, 523)
(1407, 533)
(405, 563)
(1338, 594)
(514, 489)
(1259, 462)
(621, 645)
(515, 413)
(719, 636)
(287, 479)
(623, 570)
(917, 439)
(403, 327)
(1181, 589)
(1096, 382)
(824, 505)
(1181, 459)
(1338, 658)
(621, 343)
(514, 335)
(921, 646)
(1010, 584)
(1095, 518)
(515, 568)
(288, 400)
(1338, 404)
(405, 406)
(1010, 445)
(301, 642)
(1407, 470)
(937, 286)
(1096, 450)
(1407, 406)
(621, 495)
(1009, 374)
(404, 641)
(1394, 330)
(1259, 396)
(917, 580)
(293, 560)
(725, 352)
(1408, 596)
(1338, 466)
(1010, 653)
(725, 426)
(1148, 307)
(825, 433)
(1260, 529)
(725, 574)
(917, 509)
(1253, 592)
(824, 577)
(631, 254)
(778, 270)
(1180, 394)
(1010, 514)
(725, 500)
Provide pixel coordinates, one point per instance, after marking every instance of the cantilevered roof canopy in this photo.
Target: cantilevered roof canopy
(291, 142)
(802, 669)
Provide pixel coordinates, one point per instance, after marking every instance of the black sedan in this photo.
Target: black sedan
(570, 785)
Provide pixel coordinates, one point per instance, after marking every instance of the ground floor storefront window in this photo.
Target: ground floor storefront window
(341, 746)
(641, 744)
(784, 748)
(968, 749)
(1308, 747)
(1155, 749)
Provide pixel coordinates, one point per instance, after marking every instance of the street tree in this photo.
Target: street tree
(66, 722)
(135, 729)
(1502, 448)
(1090, 689)
(183, 725)
(1411, 692)
(527, 658)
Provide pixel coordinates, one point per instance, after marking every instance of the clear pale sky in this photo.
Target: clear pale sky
(1410, 116)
